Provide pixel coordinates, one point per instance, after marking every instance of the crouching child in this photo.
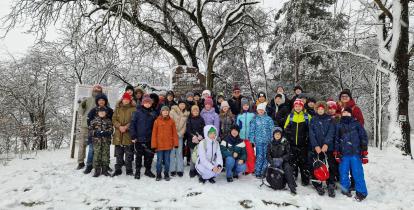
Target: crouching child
(164, 139)
(278, 156)
(351, 152)
(101, 130)
(209, 162)
(233, 150)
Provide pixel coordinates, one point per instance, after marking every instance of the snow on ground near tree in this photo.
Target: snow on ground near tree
(49, 181)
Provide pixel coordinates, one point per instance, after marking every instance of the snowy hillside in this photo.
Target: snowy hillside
(49, 181)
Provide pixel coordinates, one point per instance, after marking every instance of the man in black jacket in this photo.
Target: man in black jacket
(278, 110)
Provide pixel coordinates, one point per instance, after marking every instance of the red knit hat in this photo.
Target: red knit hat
(146, 99)
(208, 100)
(331, 104)
(298, 102)
(126, 96)
(236, 87)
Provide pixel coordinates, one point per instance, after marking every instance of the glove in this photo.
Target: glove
(337, 156)
(277, 162)
(98, 134)
(364, 157)
(199, 137)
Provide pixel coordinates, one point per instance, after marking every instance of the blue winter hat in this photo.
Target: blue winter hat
(277, 129)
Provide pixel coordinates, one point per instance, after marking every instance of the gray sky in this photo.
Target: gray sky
(17, 41)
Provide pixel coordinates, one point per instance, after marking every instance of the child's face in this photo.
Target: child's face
(138, 94)
(278, 100)
(181, 106)
(220, 100)
(195, 112)
(311, 104)
(196, 98)
(260, 111)
(277, 136)
(212, 135)
(101, 102)
(208, 107)
(225, 109)
(170, 98)
(346, 114)
(262, 99)
(165, 113)
(298, 91)
(130, 92)
(320, 111)
(332, 111)
(280, 90)
(190, 98)
(147, 105)
(126, 101)
(102, 114)
(298, 108)
(234, 133)
(245, 107)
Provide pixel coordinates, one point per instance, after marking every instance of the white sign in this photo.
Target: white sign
(402, 118)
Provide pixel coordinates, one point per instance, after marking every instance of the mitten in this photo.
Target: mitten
(364, 157)
(337, 156)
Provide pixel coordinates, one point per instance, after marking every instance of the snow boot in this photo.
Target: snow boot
(180, 174)
(97, 172)
(229, 179)
(167, 176)
(88, 169)
(212, 181)
(110, 169)
(129, 172)
(173, 174)
(149, 174)
(159, 177)
(117, 172)
(320, 190)
(105, 171)
(293, 190)
(201, 180)
(193, 173)
(331, 190)
(235, 176)
(359, 197)
(348, 194)
(137, 174)
(80, 166)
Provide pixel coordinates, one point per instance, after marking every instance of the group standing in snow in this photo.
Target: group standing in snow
(276, 140)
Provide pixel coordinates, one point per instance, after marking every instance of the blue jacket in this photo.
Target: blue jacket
(322, 131)
(351, 137)
(243, 121)
(261, 129)
(141, 124)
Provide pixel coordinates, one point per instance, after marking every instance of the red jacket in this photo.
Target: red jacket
(356, 111)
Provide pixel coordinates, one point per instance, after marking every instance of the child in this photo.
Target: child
(351, 152)
(164, 139)
(296, 129)
(101, 131)
(194, 134)
(278, 155)
(209, 114)
(180, 115)
(122, 140)
(233, 150)
(261, 134)
(226, 119)
(243, 121)
(321, 136)
(209, 162)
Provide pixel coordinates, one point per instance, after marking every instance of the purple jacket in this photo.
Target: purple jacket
(211, 118)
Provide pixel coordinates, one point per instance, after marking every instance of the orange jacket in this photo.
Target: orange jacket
(164, 134)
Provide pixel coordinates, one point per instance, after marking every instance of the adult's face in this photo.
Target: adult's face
(196, 98)
(280, 90)
(170, 98)
(262, 99)
(345, 98)
(190, 98)
(220, 100)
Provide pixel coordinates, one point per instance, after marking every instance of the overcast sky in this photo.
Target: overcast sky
(17, 41)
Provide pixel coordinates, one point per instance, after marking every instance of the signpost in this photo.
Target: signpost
(185, 79)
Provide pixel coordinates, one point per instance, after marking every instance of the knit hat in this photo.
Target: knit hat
(261, 94)
(208, 92)
(162, 93)
(146, 99)
(244, 101)
(347, 109)
(212, 130)
(208, 100)
(126, 96)
(129, 87)
(297, 87)
(277, 129)
(298, 102)
(345, 92)
(139, 89)
(321, 104)
(331, 104)
(195, 107)
(165, 108)
(224, 104)
(236, 87)
(189, 94)
(261, 106)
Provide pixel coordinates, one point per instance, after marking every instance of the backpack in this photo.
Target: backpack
(194, 155)
(276, 178)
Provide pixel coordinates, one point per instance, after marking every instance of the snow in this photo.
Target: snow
(48, 181)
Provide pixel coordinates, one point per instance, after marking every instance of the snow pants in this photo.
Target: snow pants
(124, 156)
(261, 160)
(143, 150)
(101, 154)
(353, 163)
(300, 163)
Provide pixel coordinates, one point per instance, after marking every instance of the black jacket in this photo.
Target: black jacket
(278, 149)
(235, 105)
(278, 113)
(195, 125)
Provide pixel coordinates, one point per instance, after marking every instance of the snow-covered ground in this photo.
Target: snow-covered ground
(49, 181)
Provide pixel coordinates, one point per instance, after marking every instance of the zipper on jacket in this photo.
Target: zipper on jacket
(297, 130)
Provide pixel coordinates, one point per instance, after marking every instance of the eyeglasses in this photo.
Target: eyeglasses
(344, 96)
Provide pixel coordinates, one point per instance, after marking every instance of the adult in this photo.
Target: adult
(278, 110)
(281, 90)
(346, 100)
(85, 106)
(235, 101)
(139, 92)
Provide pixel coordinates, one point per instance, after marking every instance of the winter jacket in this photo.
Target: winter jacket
(189, 105)
(164, 134)
(261, 129)
(122, 117)
(243, 121)
(93, 113)
(235, 105)
(170, 104)
(322, 131)
(195, 125)
(351, 137)
(209, 157)
(101, 129)
(211, 118)
(142, 124)
(85, 106)
(278, 113)
(226, 122)
(180, 119)
(278, 149)
(297, 129)
(310, 110)
(356, 111)
(231, 145)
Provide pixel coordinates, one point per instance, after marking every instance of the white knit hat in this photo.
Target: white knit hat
(224, 104)
(261, 106)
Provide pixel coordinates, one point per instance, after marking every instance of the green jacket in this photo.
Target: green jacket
(122, 116)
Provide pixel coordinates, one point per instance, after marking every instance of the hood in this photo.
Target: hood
(206, 129)
(101, 96)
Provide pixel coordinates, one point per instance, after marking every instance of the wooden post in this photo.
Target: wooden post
(375, 127)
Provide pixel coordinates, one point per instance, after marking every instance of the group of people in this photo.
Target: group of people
(323, 141)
